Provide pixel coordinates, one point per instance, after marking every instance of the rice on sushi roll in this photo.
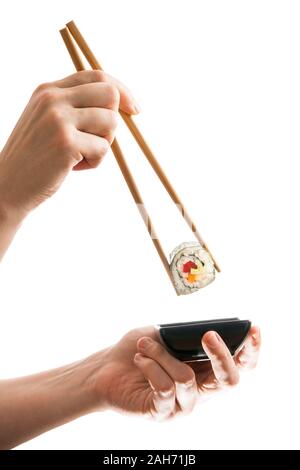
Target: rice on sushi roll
(192, 268)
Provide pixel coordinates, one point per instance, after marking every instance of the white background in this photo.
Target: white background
(218, 82)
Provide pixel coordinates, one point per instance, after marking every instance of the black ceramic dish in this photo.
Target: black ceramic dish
(183, 340)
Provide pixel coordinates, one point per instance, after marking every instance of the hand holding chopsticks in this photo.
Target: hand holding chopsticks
(72, 28)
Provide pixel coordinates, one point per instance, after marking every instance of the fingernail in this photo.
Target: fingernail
(135, 108)
(256, 334)
(213, 339)
(256, 337)
(144, 343)
(137, 356)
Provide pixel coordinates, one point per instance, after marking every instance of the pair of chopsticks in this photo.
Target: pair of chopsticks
(70, 34)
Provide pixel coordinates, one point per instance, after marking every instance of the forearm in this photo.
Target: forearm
(9, 226)
(35, 404)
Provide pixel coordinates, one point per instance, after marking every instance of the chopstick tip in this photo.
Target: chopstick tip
(70, 23)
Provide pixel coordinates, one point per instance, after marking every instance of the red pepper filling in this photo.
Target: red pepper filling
(186, 268)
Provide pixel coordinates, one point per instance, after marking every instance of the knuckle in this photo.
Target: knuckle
(97, 157)
(110, 124)
(112, 94)
(166, 391)
(186, 410)
(97, 75)
(133, 334)
(160, 417)
(42, 87)
(65, 138)
(234, 380)
(47, 96)
(231, 380)
(251, 365)
(55, 117)
(187, 378)
(156, 349)
(243, 363)
(222, 357)
(114, 120)
(95, 161)
(110, 137)
(104, 149)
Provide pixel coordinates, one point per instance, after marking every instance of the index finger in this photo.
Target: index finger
(182, 375)
(128, 103)
(222, 363)
(161, 384)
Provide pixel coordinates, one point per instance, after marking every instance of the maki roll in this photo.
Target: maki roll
(191, 267)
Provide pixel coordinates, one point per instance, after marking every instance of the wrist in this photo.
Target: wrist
(82, 383)
(93, 371)
(10, 215)
(10, 222)
(9, 218)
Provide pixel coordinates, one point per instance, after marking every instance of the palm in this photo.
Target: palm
(126, 386)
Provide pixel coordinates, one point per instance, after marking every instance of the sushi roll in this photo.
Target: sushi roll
(192, 268)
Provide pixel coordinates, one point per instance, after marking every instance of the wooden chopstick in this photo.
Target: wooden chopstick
(122, 164)
(79, 65)
(87, 52)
